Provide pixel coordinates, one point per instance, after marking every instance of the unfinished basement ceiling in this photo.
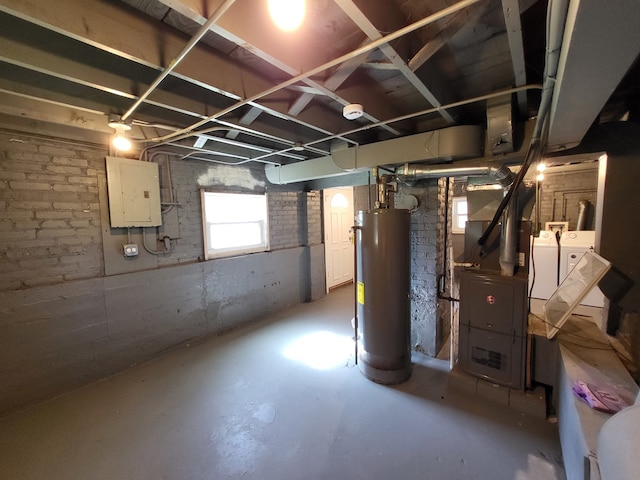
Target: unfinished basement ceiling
(65, 66)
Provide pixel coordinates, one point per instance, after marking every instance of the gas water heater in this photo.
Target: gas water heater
(383, 306)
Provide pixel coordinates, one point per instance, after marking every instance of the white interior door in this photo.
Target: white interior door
(338, 219)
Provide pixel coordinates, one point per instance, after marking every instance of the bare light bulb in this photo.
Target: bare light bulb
(541, 167)
(120, 142)
(287, 14)
(540, 177)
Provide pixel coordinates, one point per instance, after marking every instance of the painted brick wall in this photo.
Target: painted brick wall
(294, 219)
(314, 218)
(49, 212)
(443, 323)
(424, 257)
(50, 227)
(560, 193)
(284, 210)
(188, 178)
(65, 322)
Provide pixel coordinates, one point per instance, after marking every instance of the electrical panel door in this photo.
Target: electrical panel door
(134, 193)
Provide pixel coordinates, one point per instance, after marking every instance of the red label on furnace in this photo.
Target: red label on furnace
(491, 299)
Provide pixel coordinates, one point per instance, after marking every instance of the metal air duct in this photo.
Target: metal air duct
(449, 144)
(500, 125)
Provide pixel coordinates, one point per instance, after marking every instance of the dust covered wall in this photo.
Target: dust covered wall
(426, 329)
(73, 309)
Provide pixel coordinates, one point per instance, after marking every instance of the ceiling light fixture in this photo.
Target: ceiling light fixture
(120, 140)
(287, 14)
(541, 167)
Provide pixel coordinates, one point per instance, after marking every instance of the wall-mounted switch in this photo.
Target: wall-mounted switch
(130, 250)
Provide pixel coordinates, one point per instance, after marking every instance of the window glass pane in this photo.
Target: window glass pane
(235, 235)
(235, 223)
(229, 207)
(459, 214)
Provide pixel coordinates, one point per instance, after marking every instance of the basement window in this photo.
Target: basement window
(459, 214)
(234, 223)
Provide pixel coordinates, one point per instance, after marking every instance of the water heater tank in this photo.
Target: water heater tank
(383, 306)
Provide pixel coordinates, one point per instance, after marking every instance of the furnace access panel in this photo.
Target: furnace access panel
(493, 327)
(134, 193)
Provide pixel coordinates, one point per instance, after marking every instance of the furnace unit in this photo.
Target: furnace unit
(493, 326)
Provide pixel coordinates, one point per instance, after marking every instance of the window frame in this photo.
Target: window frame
(212, 253)
(455, 215)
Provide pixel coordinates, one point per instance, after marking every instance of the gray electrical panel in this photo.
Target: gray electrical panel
(134, 193)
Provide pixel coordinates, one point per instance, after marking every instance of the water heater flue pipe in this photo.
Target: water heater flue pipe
(409, 173)
(509, 240)
(583, 205)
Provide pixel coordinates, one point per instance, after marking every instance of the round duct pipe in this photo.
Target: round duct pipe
(411, 173)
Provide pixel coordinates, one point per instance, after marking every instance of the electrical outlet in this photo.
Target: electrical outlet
(130, 249)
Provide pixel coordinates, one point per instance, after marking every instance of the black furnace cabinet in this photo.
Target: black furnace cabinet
(493, 327)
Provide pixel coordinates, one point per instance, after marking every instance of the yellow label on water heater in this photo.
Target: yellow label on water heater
(361, 293)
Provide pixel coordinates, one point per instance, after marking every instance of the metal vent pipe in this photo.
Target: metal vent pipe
(410, 173)
(509, 240)
(504, 176)
(583, 205)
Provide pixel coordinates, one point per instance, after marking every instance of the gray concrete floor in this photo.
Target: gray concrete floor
(266, 402)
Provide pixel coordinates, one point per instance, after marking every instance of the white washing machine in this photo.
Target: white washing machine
(572, 246)
(545, 261)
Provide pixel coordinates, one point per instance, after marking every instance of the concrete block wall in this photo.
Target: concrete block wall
(62, 336)
(65, 321)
